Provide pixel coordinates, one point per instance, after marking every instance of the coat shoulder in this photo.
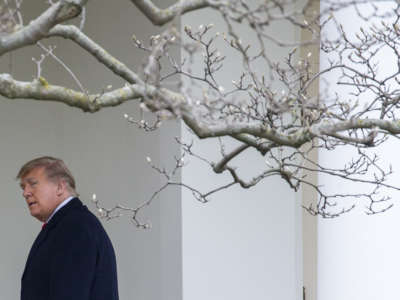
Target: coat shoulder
(80, 221)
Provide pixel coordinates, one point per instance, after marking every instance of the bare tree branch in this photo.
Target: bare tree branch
(38, 28)
(270, 104)
(40, 89)
(73, 33)
(162, 16)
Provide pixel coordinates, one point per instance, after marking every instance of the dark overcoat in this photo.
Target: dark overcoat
(72, 258)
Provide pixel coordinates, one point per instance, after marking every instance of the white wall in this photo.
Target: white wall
(358, 255)
(244, 244)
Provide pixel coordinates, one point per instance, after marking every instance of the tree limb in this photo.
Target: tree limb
(38, 28)
(219, 167)
(40, 89)
(73, 33)
(162, 16)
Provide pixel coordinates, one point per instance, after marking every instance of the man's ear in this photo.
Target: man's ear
(61, 187)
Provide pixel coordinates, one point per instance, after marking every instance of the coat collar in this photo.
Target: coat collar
(74, 203)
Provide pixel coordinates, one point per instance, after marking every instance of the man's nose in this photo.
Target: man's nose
(26, 193)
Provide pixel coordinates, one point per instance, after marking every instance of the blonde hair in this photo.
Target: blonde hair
(54, 168)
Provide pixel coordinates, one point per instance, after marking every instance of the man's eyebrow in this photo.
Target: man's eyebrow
(28, 180)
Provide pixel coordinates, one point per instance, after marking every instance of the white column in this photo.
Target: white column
(244, 244)
(358, 255)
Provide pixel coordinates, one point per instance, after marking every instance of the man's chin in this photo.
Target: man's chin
(36, 215)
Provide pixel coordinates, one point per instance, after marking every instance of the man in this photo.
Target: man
(72, 257)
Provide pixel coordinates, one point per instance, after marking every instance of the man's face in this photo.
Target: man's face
(41, 194)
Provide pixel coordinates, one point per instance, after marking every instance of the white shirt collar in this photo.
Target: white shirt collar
(65, 202)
